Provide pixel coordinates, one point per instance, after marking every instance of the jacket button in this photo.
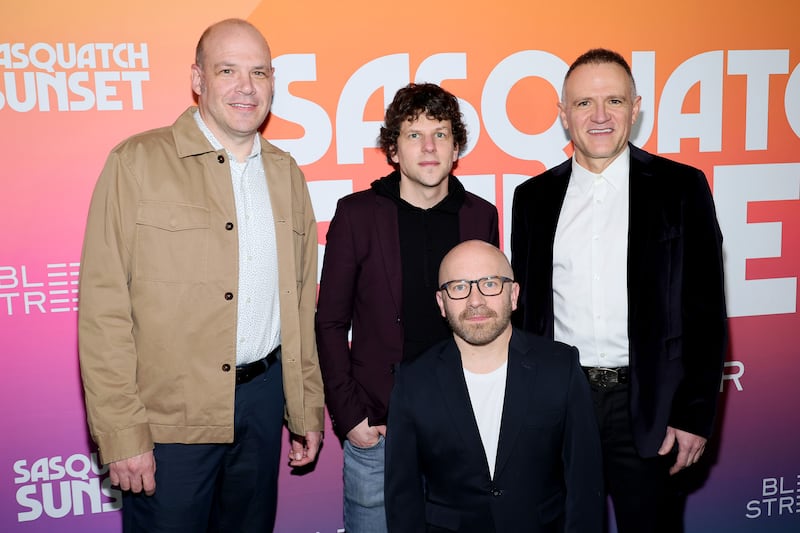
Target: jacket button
(226, 367)
(229, 296)
(221, 158)
(229, 226)
(497, 492)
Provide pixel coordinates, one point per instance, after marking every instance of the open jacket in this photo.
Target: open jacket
(361, 286)
(548, 475)
(677, 325)
(158, 290)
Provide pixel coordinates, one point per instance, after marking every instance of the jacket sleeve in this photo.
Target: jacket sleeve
(404, 488)
(704, 321)
(117, 417)
(313, 395)
(337, 290)
(583, 470)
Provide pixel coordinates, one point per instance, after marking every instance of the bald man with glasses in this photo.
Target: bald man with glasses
(492, 429)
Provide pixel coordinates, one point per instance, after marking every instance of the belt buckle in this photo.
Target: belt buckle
(603, 377)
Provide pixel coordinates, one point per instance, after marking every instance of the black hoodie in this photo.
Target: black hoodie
(426, 235)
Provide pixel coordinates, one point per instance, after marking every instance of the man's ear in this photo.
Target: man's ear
(637, 104)
(562, 114)
(440, 303)
(197, 80)
(514, 295)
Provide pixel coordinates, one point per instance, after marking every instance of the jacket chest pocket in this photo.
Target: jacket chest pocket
(171, 242)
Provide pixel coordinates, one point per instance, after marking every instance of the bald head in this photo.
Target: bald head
(480, 295)
(473, 260)
(225, 27)
(234, 83)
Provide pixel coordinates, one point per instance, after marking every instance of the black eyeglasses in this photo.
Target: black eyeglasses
(459, 289)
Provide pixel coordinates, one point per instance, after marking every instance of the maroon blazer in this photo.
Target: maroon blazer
(361, 286)
(677, 325)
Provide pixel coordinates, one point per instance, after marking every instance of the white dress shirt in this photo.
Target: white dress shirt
(590, 264)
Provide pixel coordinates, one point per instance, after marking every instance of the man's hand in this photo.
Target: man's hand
(364, 435)
(304, 449)
(135, 473)
(690, 448)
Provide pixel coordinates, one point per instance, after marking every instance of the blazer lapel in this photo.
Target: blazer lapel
(520, 384)
(544, 214)
(450, 376)
(555, 196)
(546, 209)
(388, 230)
(642, 208)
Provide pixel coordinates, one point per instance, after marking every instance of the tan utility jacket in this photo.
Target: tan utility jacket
(158, 290)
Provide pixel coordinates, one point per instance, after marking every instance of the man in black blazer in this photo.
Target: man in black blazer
(493, 429)
(619, 253)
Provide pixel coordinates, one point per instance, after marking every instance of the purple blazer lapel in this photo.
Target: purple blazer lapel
(387, 227)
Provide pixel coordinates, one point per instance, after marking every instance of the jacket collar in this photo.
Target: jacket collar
(190, 141)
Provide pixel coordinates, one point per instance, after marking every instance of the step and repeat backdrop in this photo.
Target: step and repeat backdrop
(720, 87)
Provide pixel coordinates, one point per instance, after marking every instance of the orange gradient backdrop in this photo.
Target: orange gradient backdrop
(327, 57)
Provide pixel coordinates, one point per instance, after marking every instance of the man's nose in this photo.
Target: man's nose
(245, 85)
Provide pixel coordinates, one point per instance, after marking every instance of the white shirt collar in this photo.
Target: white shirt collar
(616, 174)
(256, 150)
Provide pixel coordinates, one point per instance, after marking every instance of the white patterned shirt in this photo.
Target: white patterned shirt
(258, 324)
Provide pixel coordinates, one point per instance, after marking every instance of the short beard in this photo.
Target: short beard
(480, 335)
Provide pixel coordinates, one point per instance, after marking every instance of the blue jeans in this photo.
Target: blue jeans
(363, 488)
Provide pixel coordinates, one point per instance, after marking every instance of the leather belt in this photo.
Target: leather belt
(245, 373)
(605, 378)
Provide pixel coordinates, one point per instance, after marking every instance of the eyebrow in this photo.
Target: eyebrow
(605, 96)
(439, 128)
(231, 64)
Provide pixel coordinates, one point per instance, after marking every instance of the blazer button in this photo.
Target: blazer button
(221, 158)
(229, 226)
(497, 492)
(226, 367)
(229, 296)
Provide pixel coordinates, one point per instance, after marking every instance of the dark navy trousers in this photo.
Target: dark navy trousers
(232, 487)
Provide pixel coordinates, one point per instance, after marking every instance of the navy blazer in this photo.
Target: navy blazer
(676, 302)
(548, 472)
(361, 286)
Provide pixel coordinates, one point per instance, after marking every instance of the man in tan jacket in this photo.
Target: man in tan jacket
(197, 294)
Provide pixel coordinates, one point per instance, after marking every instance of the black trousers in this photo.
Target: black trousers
(643, 496)
(232, 487)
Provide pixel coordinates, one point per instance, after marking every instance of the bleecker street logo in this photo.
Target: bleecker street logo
(25, 292)
(780, 496)
(58, 486)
